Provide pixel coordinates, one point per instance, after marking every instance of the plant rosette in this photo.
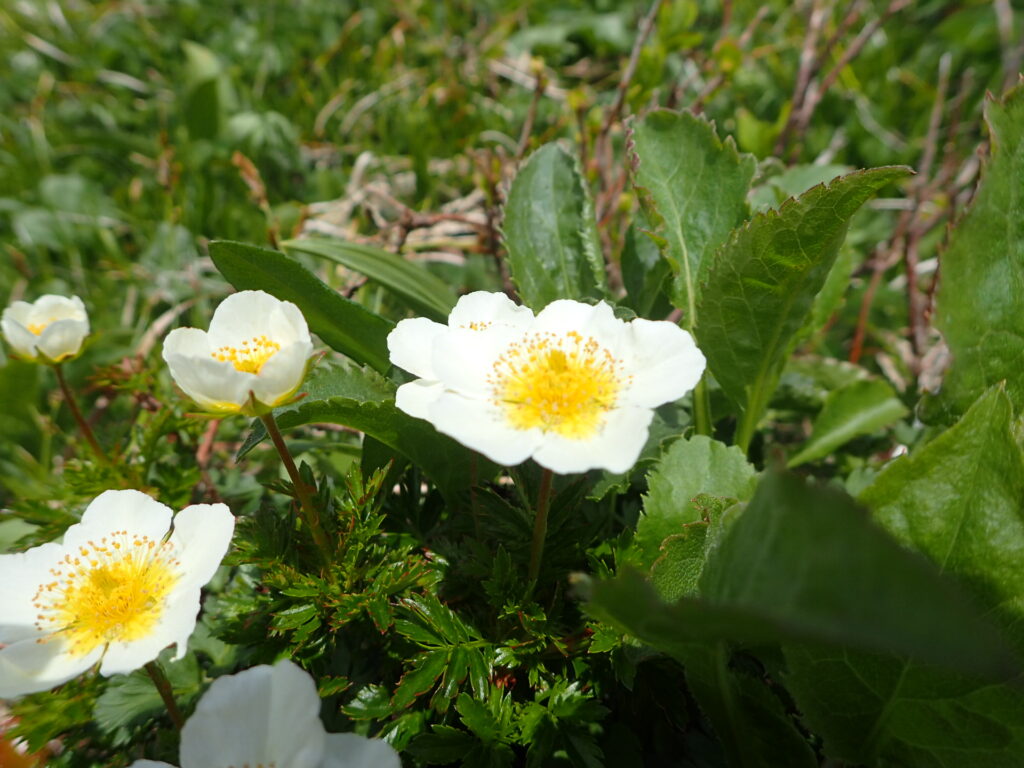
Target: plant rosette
(49, 330)
(122, 586)
(573, 387)
(252, 360)
(270, 716)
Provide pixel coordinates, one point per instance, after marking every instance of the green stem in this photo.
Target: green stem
(83, 425)
(540, 524)
(308, 508)
(702, 409)
(163, 687)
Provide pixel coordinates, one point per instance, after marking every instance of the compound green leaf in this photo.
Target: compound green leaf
(978, 308)
(550, 232)
(859, 408)
(759, 287)
(343, 325)
(420, 290)
(693, 188)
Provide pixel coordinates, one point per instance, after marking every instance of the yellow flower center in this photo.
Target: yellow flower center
(250, 355)
(562, 384)
(110, 591)
(37, 328)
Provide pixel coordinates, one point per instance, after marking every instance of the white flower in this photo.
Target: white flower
(256, 349)
(573, 387)
(117, 591)
(50, 329)
(270, 716)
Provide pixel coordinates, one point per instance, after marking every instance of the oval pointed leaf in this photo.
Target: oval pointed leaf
(550, 232)
(343, 325)
(420, 290)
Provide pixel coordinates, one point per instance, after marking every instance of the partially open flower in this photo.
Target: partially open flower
(573, 387)
(121, 587)
(50, 329)
(251, 360)
(270, 716)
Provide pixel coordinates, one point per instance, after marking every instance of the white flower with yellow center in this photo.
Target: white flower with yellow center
(269, 717)
(572, 387)
(121, 587)
(50, 329)
(251, 360)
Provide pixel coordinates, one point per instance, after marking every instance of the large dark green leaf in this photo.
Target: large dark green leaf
(981, 293)
(960, 500)
(805, 563)
(550, 232)
(859, 408)
(363, 400)
(693, 188)
(422, 291)
(344, 325)
(760, 286)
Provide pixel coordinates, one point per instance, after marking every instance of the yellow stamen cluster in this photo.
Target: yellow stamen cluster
(37, 328)
(559, 383)
(250, 355)
(109, 591)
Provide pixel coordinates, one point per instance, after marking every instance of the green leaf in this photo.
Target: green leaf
(857, 409)
(644, 272)
(957, 500)
(978, 308)
(207, 92)
(425, 671)
(806, 564)
(478, 718)
(759, 287)
(698, 465)
(550, 232)
(444, 745)
(677, 572)
(342, 324)
(422, 291)
(693, 189)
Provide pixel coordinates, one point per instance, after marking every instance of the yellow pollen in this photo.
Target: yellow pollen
(250, 355)
(37, 328)
(563, 384)
(117, 596)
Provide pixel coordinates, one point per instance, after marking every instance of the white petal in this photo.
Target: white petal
(48, 308)
(664, 363)
(175, 625)
(350, 750)
(202, 533)
(282, 374)
(128, 510)
(21, 574)
(29, 666)
(597, 320)
(416, 397)
(483, 307)
(293, 324)
(411, 345)
(246, 314)
(18, 312)
(464, 360)
(481, 426)
(213, 384)
(22, 341)
(616, 448)
(262, 715)
(62, 338)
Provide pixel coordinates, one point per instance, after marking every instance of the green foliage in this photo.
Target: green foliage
(979, 301)
(693, 189)
(549, 231)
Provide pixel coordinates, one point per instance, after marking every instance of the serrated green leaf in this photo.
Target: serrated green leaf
(806, 564)
(425, 671)
(477, 718)
(759, 287)
(644, 272)
(978, 308)
(420, 290)
(957, 500)
(693, 189)
(343, 325)
(550, 232)
(676, 573)
(857, 409)
(372, 702)
(688, 468)
(444, 745)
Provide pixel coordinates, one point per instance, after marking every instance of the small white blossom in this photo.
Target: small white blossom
(251, 360)
(50, 329)
(117, 590)
(573, 387)
(270, 716)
